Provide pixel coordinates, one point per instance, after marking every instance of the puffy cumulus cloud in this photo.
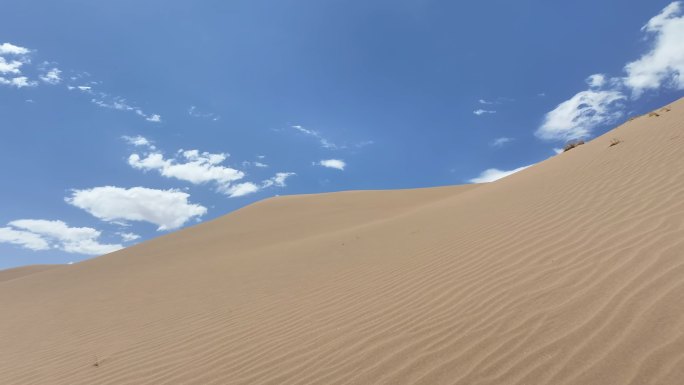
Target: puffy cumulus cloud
(41, 234)
(52, 76)
(663, 64)
(338, 164)
(24, 239)
(19, 82)
(11, 49)
(596, 80)
(492, 174)
(661, 67)
(577, 116)
(192, 166)
(10, 67)
(168, 209)
(201, 167)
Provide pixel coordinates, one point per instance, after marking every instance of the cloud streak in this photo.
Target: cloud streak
(494, 174)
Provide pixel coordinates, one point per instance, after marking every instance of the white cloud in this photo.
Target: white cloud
(325, 143)
(11, 49)
(19, 82)
(24, 239)
(278, 180)
(255, 164)
(201, 167)
(576, 117)
(663, 65)
(596, 80)
(49, 74)
(482, 112)
(153, 118)
(40, 234)
(52, 76)
(104, 100)
(499, 142)
(333, 163)
(139, 140)
(128, 237)
(194, 112)
(168, 209)
(482, 101)
(193, 167)
(240, 189)
(364, 143)
(492, 174)
(10, 67)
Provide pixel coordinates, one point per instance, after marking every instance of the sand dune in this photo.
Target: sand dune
(18, 272)
(569, 272)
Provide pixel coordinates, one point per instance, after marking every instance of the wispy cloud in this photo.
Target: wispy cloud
(325, 143)
(40, 234)
(105, 100)
(500, 142)
(242, 189)
(480, 112)
(195, 113)
(493, 174)
(277, 180)
(13, 58)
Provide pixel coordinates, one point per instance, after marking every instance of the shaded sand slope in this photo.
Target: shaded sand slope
(18, 272)
(570, 272)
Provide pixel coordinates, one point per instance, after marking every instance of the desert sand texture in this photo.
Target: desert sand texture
(569, 272)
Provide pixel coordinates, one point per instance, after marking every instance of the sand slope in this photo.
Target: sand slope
(18, 272)
(570, 272)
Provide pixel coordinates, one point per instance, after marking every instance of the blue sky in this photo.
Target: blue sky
(124, 120)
